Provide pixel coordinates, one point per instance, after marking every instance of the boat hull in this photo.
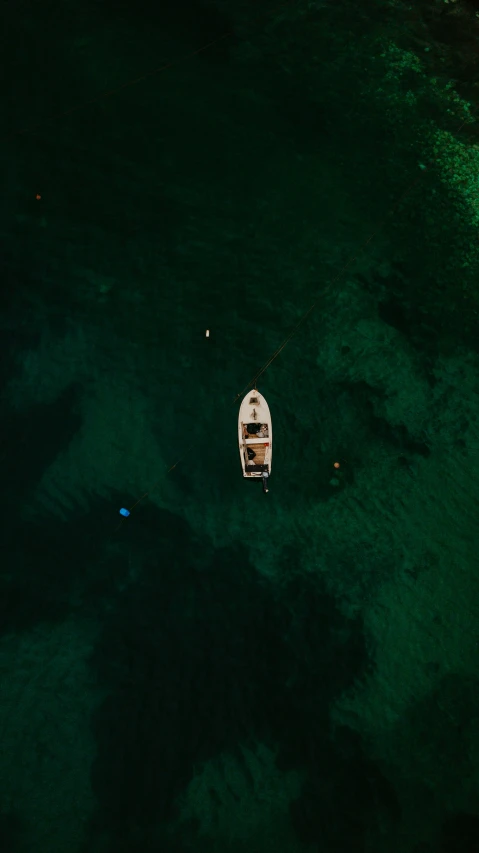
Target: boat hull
(255, 436)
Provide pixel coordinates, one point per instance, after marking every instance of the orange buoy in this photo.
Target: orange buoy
(337, 465)
(38, 196)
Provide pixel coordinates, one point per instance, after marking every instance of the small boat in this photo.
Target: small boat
(255, 437)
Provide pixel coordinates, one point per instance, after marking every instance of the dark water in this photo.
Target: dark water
(227, 671)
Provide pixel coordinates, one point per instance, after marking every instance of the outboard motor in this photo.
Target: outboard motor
(265, 476)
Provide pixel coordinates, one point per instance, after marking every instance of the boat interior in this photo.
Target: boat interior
(255, 431)
(255, 454)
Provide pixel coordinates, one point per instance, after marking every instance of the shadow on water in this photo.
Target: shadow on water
(34, 580)
(54, 568)
(434, 739)
(11, 832)
(191, 21)
(345, 795)
(32, 439)
(44, 557)
(200, 655)
(460, 834)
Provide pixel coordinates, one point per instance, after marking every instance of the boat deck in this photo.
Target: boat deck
(260, 451)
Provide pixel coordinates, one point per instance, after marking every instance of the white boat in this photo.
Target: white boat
(255, 437)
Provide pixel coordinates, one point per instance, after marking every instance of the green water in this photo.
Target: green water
(226, 671)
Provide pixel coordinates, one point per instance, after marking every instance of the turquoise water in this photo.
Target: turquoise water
(226, 671)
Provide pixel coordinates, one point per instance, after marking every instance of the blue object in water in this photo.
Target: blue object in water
(125, 512)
